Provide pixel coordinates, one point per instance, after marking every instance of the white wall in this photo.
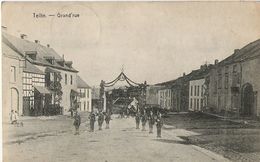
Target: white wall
(196, 98)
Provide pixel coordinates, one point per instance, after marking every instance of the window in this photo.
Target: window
(198, 104)
(191, 103)
(88, 105)
(195, 103)
(219, 81)
(71, 79)
(66, 79)
(234, 68)
(226, 81)
(84, 105)
(198, 88)
(195, 90)
(226, 70)
(13, 74)
(191, 88)
(88, 93)
(202, 91)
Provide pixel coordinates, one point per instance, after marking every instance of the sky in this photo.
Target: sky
(153, 41)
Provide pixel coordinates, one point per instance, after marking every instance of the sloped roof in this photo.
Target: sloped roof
(249, 51)
(81, 83)
(30, 68)
(7, 51)
(22, 46)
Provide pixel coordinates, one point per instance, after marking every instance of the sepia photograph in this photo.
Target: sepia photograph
(127, 81)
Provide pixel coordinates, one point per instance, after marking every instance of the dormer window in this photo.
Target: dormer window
(31, 54)
(50, 59)
(61, 62)
(68, 63)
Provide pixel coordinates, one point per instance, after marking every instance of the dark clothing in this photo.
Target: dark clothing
(144, 119)
(100, 121)
(107, 119)
(76, 123)
(151, 122)
(137, 121)
(159, 124)
(92, 122)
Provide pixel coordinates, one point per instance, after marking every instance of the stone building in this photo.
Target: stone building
(234, 83)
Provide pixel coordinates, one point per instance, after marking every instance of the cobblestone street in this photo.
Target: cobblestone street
(122, 142)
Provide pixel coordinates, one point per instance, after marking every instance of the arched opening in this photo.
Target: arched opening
(247, 100)
(14, 100)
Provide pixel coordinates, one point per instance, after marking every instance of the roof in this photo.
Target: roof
(81, 83)
(249, 51)
(30, 68)
(23, 46)
(7, 51)
(42, 90)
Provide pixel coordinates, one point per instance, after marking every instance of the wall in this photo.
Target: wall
(196, 98)
(7, 84)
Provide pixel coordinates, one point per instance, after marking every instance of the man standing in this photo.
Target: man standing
(151, 122)
(107, 118)
(77, 122)
(159, 124)
(144, 120)
(100, 120)
(137, 120)
(92, 121)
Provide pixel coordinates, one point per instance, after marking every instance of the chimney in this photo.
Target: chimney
(48, 45)
(183, 74)
(236, 51)
(37, 41)
(216, 61)
(23, 36)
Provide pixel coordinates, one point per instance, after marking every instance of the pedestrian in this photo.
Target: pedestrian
(137, 120)
(151, 121)
(13, 117)
(100, 120)
(144, 120)
(77, 122)
(159, 124)
(107, 119)
(92, 121)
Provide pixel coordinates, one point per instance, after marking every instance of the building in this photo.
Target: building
(152, 96)
(233, 84)
(84, 99)
(12, 88)
(197, 88)
(165, 98)
(60, 76)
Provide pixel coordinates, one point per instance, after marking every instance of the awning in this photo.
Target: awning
(42, 90)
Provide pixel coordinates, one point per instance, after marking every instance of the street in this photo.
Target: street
(122, 142)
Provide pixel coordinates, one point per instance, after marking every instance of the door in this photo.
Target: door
(247, 100)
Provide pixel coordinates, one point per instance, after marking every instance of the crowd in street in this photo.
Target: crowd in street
(150, 117)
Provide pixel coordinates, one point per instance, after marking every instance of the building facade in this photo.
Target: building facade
(12, 89)
(85, 93)
(234, 83)
(59, 88)
(165, 98)
(197, 95)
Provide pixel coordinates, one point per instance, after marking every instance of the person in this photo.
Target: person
(151, 121)
(92, 121)
(159, 124)
(144, 119)
(77, 122)
(107, 118)
(13, 117)
(137, 120)
(100, 120)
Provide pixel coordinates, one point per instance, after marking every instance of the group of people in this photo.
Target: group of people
(152, 118)
(101, 117)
